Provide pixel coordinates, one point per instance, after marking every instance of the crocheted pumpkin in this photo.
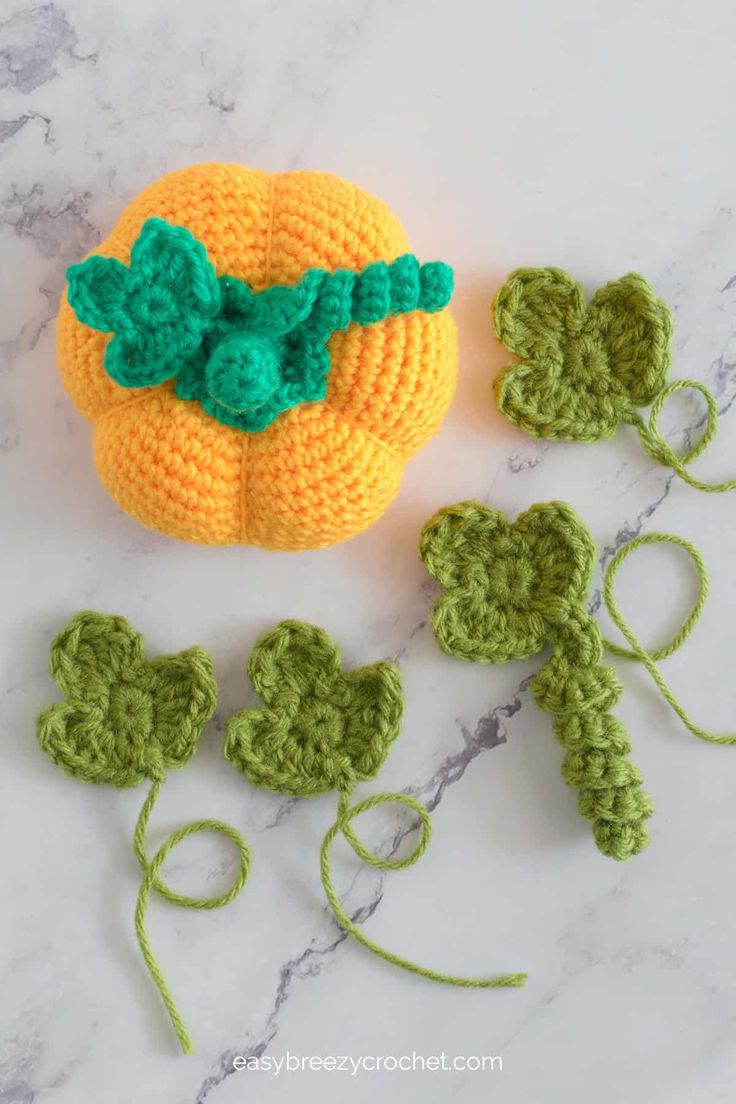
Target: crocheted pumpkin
(225, 415)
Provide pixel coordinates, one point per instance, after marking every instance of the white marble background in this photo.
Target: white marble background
(593, 135)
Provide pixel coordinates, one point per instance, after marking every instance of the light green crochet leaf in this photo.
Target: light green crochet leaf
(504, 583)
(582, 369)
(322, 728)
(123, 718)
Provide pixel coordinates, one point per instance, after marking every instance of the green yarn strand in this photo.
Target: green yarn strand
(636, 649)
(151, 881)
(659, 450)
(342, 826)
(124, 720)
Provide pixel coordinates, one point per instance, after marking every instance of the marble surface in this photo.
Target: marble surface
(590, 135)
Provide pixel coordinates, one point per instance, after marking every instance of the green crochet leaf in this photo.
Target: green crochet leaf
(582, 369)
(244, 356)
(504, 583)
(123, 718)
(322, 728)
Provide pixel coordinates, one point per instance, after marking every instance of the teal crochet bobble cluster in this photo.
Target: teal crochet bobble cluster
(244, 356)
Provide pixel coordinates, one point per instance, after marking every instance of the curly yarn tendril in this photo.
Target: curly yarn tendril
(152, 881)
(663, 453)
(509, 589)
(345, 814)
(580, 693)
(636, 649)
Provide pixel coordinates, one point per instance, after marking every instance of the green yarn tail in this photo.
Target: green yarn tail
(636, 649)
(151, 881)
(345, 814)
(659, 450)
(580, 694)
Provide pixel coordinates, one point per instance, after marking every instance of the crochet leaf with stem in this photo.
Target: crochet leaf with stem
(326, 729)
(244, 356)
(123, 720)
(510, 589)
(585, 368)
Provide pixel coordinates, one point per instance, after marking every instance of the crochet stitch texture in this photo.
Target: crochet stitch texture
(584, 369)
(245, 357)
(124, 718)
(321, 471)
(324, 728)
(509, 590)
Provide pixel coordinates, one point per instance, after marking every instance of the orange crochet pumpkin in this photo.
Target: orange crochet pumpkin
(319, 472)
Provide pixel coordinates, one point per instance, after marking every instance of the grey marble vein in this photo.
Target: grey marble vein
(33, 42)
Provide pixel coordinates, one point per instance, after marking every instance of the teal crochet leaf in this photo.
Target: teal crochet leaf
(322, 728)
(244, 356)
(158, 308)
(280, 309)
(123, 718)
(582, 369)
(97, 290)
(504, 583)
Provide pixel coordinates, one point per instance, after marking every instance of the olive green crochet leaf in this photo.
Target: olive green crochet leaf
(123, 718)
(322, 728)
(582, 369)
(504, 583)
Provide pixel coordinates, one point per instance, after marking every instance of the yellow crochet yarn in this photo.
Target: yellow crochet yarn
(322, 471)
